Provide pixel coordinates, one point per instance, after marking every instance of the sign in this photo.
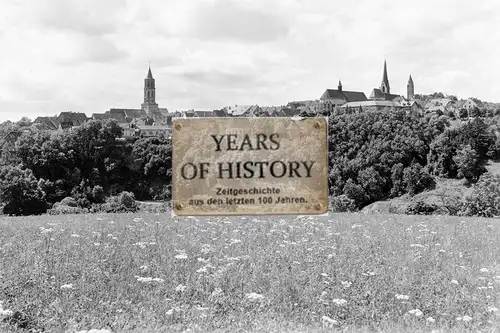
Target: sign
(249, 166)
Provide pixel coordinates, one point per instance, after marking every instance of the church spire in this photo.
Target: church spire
(149, 93)
(150, 75)
(385, 81)
(340, 86)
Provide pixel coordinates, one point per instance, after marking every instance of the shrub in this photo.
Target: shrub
(342, 203)
(98, 194)
(485, 197)
(123, 202)
(421, 208)
(59, 209)
(68, 201)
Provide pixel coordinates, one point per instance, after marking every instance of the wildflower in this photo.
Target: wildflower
(492, 309)
(75, 235)
(369, 274)
(254, 297)
(45, 230)
(402, 297)
(416, 245)
(67, 286)
(180, 288)
(430, 320)
(484, 270)
(4, 312)
(181, 256)
(202, 270)
(346, 284)
(464, 319)
(149, 279)
(339, 302)
(454, 282)
(328, 322)
(416, 312)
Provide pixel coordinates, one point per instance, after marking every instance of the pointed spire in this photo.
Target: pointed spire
(150, 75)
(340, 86)
(410, 79)
(385, 80)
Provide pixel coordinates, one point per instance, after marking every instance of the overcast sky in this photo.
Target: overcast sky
(92, 55)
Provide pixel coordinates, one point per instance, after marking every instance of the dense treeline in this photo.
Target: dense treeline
(87, 163)
(373, 156)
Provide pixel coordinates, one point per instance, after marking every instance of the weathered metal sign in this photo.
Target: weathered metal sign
(249, 166)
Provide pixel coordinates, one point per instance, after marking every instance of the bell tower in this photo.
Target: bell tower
(410, 89)
(149, 104)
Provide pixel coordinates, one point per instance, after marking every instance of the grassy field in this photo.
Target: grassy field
(345, 272)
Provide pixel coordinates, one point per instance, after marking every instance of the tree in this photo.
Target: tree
(20, 192)
(485, 197)
(468, 163)
(416, 179)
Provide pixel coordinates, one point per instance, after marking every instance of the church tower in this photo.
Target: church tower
(385, 81)
(149, 104)
(410, 89)
(340, 86)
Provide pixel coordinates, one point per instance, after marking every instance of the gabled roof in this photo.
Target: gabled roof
(47, 123)
(378, 94)
(347, 96)
(76, 118)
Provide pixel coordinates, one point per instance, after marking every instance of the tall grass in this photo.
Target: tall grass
(151, 273)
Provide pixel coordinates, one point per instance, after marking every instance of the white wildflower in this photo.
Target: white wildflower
(492, 309)
(454, 282)
(149, 279)
(339, 302)
(181, 256)
(402, 297)
(416, 312)
(328, 322)
(430, 320)
(346, 284)
(67, 286)
(254, 296)
(464, 319)
(484, 270)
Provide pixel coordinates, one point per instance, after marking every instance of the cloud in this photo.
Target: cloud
(92, 17)
(233, 20)
(97, 49)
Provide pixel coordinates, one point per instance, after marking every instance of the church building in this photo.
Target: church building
(384, 92)
(148, 114)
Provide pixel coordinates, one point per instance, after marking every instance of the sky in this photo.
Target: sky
(92, 55)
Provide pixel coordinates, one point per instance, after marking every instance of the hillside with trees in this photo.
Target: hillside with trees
(373, 156)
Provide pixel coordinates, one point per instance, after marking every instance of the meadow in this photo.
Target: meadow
(345, 272)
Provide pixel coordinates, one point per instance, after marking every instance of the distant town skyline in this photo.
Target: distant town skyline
(69, 55)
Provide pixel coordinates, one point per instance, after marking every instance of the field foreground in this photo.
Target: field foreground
(345, 272)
